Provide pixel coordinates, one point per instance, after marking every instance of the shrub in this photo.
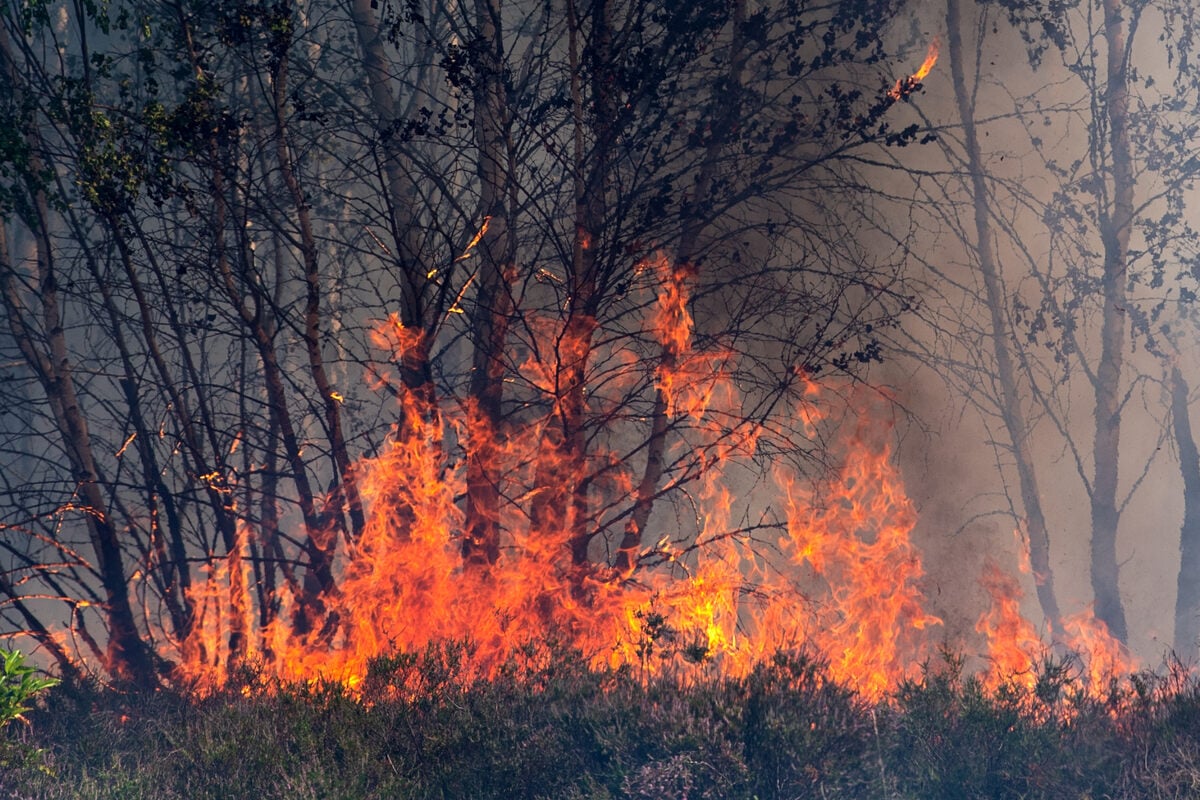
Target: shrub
(803, 735)
(546, 726)
(19, 684)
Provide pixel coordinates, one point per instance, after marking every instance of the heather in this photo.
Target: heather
(546, 726)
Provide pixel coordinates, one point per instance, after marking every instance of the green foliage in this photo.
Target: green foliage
(19, 684)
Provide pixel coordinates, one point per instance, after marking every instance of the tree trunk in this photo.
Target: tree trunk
(1187, 598)
(591, 168)
(128, 656)
(694, 218)
(403, 195)
(345, 487)
(1115, 222)
(174, 578)
(1011, 407)
(494, 302)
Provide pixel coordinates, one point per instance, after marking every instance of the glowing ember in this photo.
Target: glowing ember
(905, 85)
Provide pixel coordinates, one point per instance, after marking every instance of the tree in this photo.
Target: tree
(241, 204)
(1085, 282)
(1010, 401)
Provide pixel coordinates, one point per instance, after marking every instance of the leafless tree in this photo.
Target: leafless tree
(213, 207)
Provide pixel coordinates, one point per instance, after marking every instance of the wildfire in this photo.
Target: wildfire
(1105, 657)
(1015, 648)
(837, 574)
(905, 85)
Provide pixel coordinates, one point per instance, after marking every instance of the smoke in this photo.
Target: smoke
(1049, 183)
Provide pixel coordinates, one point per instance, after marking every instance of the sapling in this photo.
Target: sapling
(19, 683)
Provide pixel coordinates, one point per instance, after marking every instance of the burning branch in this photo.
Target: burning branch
(905, 86)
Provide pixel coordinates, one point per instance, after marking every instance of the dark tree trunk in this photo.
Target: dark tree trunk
(565, 500)
(494, 302)
(129, 658)
(1187, 598)
(694, 218)
(345, 486)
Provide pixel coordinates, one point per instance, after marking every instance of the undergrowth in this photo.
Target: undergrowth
(547, 727)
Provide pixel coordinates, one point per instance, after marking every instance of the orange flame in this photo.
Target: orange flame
(1105, 659)
(837, 574)
(904, 86)
(854, 537)
(222, 607)
(1015, 648)
(690, 380)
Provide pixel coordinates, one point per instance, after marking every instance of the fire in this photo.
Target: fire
(905, 85)
(690, 380)
(1104, 657)
(854, 540)
(832, 570)
(222, 612)
(1015, 648)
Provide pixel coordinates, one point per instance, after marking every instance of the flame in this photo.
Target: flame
(222, 608)
(854, 538)
(1105, 659)
(689, 380)
(904, 86)
(476, 239)
(1015, 648)
(835, 571)
(841, 578)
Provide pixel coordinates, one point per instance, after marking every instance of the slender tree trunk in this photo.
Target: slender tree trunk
(172, 577)
(694, 218)
(345, 485)
(403, 197)
(565, 483)
(1011, 406)
(318, 544)
(46, 638)
(1115, 223)
(1187, 598)
(494, 303)
(128, 655)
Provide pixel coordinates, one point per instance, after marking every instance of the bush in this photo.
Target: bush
(19, 684)
(545, 726)
(802, 734)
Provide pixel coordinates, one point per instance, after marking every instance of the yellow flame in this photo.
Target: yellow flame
(906, 85)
